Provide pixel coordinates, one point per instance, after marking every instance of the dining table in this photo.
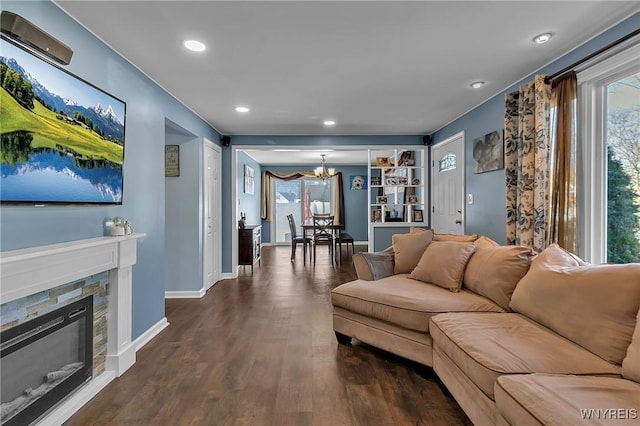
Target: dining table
(307, 230)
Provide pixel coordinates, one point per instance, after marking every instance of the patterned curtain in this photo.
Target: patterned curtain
(526, 137)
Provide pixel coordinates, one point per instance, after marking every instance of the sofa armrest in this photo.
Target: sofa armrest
(373, 266)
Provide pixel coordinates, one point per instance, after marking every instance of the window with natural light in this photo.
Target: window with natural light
(609, 174)
(301, 197)
(622, 106)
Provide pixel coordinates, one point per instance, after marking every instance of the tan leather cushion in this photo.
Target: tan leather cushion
(631, 363)
(486, 345)
(407, 303)
(443, 264)
(558, 400)
(494, 270)
(453, 237)
(594, 306)
(408, 249)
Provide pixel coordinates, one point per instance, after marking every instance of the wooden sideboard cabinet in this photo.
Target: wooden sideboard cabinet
(249, 241)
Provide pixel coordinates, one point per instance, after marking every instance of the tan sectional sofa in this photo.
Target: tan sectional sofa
(521, 340)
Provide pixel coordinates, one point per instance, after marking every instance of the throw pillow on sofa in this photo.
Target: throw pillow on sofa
(443, 264)
(594, 306)
(408, 249)
(454, 237)
(495, 270)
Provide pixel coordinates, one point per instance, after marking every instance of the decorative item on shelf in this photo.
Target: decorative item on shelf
(323, 172)
(376, 215)
(383, 161)
(381, 199)
(417, 215)
(390, 181)
(376, 181)
(117, 227)
(412, 199)
(415, 181)
(406, 159)
(402, 180)
(243, 220)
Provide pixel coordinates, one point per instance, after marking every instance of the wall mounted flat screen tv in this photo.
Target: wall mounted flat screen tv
(62, 139)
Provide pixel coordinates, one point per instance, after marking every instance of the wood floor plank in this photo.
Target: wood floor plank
(260, 350)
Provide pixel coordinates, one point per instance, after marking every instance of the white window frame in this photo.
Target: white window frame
(592, 150)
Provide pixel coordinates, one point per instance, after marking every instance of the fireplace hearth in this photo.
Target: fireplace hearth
(44, 360)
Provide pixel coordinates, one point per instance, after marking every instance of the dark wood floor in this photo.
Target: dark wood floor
(260, 350)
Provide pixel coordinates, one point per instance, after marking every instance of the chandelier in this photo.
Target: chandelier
(322, 172)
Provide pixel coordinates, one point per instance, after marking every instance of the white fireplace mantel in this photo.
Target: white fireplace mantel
(31, 270)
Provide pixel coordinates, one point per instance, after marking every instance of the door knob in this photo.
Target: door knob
(458, 222)
(460, 211)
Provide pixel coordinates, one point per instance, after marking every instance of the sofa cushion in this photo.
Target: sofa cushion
(494, 270)
(404, 302)
(454, 237)
(443, 264)
(631, 363)
(408, 249)
(485, 346)
(558, 400)
(594, 306)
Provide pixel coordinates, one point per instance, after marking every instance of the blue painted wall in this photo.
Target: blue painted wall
(250, 204)
(487, 215)
(355, 202)
(144, 182)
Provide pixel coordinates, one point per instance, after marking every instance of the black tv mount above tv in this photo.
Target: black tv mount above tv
(24, 32)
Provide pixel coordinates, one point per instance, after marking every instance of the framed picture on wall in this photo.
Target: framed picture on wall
(248, 180)
(172, 160)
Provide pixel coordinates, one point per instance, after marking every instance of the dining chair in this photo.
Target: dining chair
(295, 239)
(323, 234)
(344, 238)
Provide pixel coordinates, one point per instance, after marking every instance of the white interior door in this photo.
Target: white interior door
(212, 250)
(447, 185)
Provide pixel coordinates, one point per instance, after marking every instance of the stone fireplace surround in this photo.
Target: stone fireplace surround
(32, 270)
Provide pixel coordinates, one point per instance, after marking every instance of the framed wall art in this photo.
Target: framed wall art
(248, 180)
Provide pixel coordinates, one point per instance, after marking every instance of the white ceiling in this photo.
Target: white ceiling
(374, 67)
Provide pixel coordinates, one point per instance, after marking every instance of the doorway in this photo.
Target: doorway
(447, 185)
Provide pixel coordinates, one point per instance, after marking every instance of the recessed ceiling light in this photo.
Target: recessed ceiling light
(542, 38)
(242, 109)
(477, 84)
(195, 45)
(329, 123)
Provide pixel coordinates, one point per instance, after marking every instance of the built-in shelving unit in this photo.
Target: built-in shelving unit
(397, 195)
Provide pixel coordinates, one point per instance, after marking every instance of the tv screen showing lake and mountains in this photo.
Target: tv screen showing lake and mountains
(62, 139)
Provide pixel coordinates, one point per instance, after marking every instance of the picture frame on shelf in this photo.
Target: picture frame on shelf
(383, 161)
(376, 181)
(418, 215)
(376, 215)
(390, 181)
(402, 180)
(415, 181)
(412, 199)
(381, 199)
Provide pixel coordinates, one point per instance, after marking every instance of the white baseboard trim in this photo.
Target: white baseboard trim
(67, 408)
(152, 332)
(229, 275)
(195, 294)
